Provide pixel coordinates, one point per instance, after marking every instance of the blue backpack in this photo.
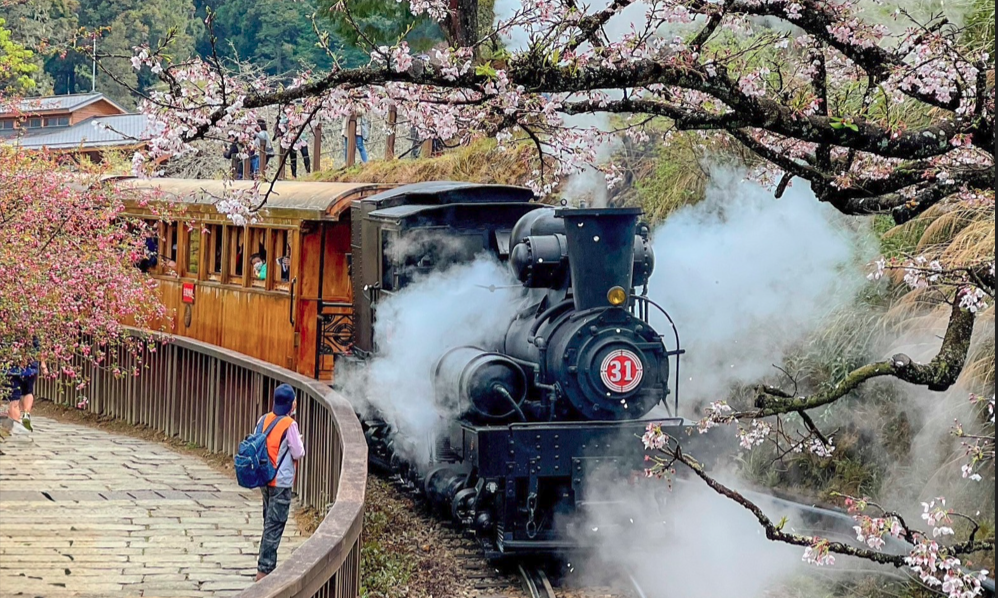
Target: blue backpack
(253, 466)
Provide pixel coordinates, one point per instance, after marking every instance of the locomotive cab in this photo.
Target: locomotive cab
(415, 229)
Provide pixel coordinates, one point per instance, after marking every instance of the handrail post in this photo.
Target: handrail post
(317, 148)
(392, 125)
(351, 142)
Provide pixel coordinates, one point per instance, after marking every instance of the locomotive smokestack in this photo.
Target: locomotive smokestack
(600, 252)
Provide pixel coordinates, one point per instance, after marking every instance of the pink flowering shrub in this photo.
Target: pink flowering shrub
(67, 273)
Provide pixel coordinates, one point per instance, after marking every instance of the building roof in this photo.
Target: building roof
(66, 103)
(99, 132)
(304, 200)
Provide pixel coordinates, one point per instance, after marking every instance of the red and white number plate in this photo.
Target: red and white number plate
(621, 371)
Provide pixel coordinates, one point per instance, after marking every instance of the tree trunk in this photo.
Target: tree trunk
(461, 26)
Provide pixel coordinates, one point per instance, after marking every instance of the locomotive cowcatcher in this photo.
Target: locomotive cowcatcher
(580, 373)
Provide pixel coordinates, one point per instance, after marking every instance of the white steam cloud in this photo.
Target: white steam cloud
(695, 544)
(414, 328)
(745, 276)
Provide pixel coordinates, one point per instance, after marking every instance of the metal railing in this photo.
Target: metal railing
(212, 397)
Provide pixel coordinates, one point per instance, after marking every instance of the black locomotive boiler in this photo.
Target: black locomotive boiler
(575, 381)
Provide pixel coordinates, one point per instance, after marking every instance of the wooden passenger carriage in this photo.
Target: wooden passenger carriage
(298, 313)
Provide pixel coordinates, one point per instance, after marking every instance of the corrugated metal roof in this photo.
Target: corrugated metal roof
(66, 103)
(296, 199)
(96, 132)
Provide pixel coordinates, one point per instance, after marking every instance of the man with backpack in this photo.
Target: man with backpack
(268, 459)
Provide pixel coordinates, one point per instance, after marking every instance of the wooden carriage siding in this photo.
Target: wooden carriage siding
(291, 323)
(210, 396)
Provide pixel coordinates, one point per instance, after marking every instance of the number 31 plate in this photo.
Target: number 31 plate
(621, 371)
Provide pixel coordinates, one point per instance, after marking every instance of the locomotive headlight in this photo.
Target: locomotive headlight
(616, 296)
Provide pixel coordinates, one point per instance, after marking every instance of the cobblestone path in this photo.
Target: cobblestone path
(87, 513)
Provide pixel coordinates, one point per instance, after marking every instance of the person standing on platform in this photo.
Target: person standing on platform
(263, 146)
(299, 146)
(231, 153)
(285, 447)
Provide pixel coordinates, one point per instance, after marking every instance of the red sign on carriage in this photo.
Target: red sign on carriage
(621, 371)
(187, 292)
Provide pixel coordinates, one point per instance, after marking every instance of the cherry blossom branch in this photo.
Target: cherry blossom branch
(939, 374)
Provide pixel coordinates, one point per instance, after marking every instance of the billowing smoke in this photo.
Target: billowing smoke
(693, 544)
(589, 186)
(745, 276)
(690, 542)
(446, 309)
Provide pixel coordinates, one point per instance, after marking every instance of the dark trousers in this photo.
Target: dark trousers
(276, 505)
(304, 158)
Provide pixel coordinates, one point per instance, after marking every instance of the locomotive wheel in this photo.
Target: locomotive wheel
(461, 505)
(429, 479)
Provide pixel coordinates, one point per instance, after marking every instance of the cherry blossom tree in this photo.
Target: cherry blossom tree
(881, 116)
(67, 273)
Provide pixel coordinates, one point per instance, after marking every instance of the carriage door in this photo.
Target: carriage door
(334, 314)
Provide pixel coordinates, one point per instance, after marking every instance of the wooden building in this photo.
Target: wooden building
(80, 124)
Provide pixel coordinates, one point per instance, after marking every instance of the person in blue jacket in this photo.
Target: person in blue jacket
(21, 396)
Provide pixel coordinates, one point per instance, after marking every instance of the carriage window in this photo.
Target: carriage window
(194, 251)
(258, 256)
(150, 239)
(281, 243)
(216, 242)
(237, 237)
(168, 244)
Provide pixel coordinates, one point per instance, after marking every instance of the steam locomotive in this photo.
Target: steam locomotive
(577, 377)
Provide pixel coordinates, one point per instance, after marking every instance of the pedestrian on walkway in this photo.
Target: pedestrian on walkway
(231, 153)
(299, 146)
(21, 393)
(283, 441)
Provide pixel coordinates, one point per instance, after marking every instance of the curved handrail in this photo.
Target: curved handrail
(212, 396)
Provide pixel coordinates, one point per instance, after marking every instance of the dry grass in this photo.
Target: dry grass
(479, 162)
(960, 236)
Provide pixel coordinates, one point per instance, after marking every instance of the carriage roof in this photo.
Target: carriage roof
(438, 193)
(298, 200)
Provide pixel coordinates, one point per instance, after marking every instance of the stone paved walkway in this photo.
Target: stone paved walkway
(87, 513)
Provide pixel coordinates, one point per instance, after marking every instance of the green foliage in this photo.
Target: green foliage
(381, 22)
(274, 36)
(980, 33)
(16, 66)
(897, 241)
(132, 23)
(667, 178)
(43, 26)
(53, 27)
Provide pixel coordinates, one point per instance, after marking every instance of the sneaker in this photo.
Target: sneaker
(18, 428)
(26, 422)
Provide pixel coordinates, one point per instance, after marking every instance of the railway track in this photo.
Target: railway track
(534, 581)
